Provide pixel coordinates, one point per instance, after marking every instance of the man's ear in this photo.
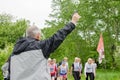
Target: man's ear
(38, 36)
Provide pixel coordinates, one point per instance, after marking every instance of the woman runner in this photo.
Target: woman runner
(89, 69)
(63, 70)
(76, 69)
(53, 70)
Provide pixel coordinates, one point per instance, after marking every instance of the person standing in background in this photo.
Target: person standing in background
(5, 71)
(89, 69)
(63, 71)
(79, 60)
(66, 61)
(76, 69)
(94, 67)
(53, 69)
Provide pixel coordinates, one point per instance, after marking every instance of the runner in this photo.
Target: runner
(94, 67)
(76, 69)
(66, 61)
(89, 70)
(63, 70)
(53, 69)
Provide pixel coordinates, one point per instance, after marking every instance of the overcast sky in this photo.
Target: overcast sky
(36, 11)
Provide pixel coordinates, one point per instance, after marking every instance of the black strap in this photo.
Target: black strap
(9, 63)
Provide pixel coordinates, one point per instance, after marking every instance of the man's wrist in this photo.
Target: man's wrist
(74, 22)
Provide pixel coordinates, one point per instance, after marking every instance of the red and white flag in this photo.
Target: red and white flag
(100, 49)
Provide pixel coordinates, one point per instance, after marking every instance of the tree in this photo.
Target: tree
(10, 31)
(97, 17)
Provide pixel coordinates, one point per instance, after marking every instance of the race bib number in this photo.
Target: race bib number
(51, 69)
(63, 71)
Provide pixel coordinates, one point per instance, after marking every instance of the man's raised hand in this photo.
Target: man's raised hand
(75, 18)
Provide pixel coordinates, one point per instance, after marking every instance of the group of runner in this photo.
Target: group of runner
(59, 71)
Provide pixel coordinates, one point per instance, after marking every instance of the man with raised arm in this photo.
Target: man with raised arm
(30, 54)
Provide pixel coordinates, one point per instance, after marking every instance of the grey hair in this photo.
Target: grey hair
(32, 31)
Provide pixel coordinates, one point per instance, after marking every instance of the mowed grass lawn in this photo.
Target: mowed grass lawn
(102, 75)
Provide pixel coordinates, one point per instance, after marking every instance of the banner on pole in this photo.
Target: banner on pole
(100, 49)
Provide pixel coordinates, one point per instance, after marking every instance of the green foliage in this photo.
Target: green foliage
(4, 54)
(107, 75)
(97, 17)
(10, 31)
(117, 56)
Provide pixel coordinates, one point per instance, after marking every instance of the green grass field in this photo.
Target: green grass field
(102, 75)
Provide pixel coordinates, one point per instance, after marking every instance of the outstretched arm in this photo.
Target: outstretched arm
(53, 42)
